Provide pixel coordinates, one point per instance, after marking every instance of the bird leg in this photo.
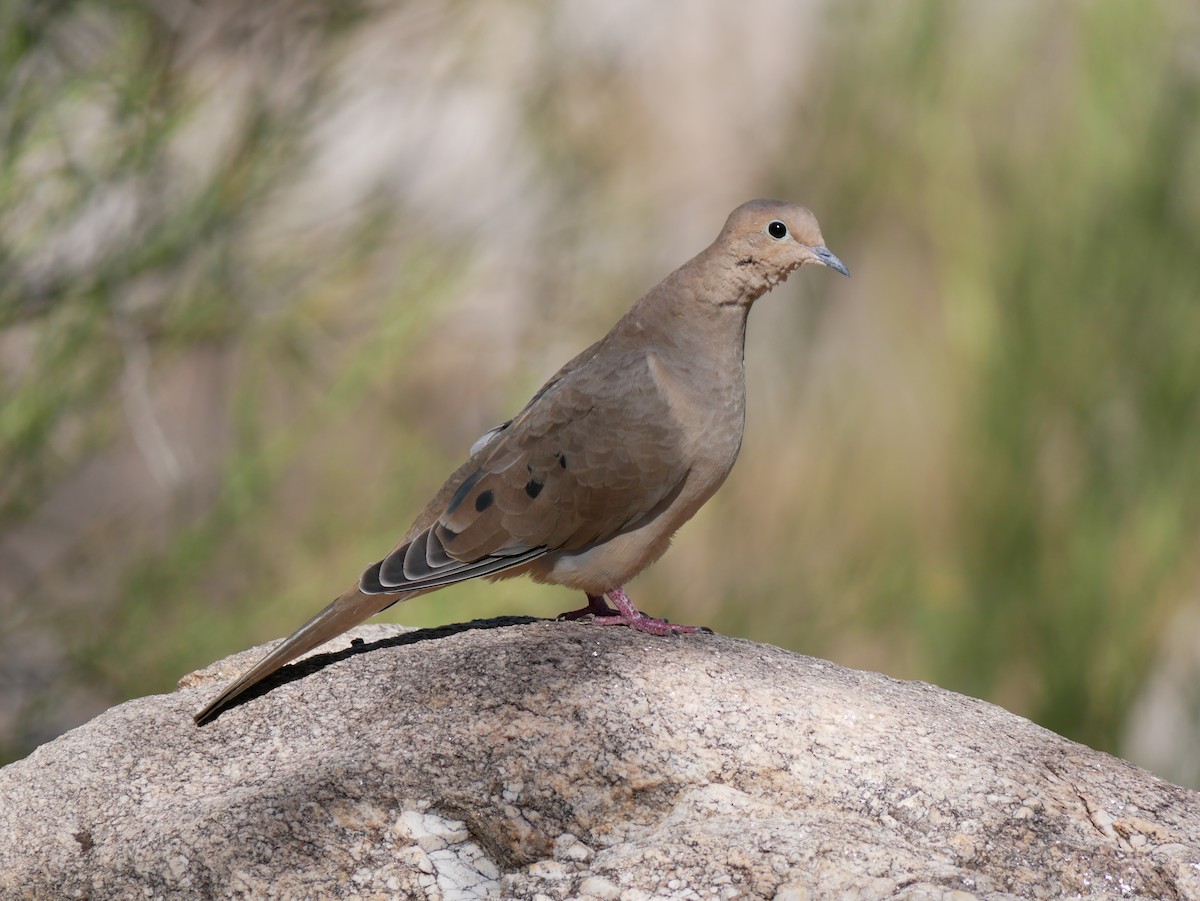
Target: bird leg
(597, 606)
(628, 615)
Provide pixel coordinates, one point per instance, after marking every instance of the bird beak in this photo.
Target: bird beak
(825, 257)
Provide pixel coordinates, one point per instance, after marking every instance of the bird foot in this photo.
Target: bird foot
(651, 625)
(599, 613)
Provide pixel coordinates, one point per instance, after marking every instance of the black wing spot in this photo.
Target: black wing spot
(463, 490)
(533, 487)
(562, 459)
(484, 501)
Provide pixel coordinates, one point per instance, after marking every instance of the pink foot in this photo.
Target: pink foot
(628, 615)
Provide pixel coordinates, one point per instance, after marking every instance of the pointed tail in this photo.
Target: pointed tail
(344, 613)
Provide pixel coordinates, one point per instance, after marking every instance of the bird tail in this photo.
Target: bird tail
(345, 612)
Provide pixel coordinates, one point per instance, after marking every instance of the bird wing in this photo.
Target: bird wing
(592, 455)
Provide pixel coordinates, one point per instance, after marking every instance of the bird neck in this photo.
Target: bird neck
(698, 313)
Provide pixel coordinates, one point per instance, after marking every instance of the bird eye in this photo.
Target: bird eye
(777, 230)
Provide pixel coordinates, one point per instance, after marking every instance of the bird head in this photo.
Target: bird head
(769, 239)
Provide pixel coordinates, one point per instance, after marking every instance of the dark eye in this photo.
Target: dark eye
(777, 230)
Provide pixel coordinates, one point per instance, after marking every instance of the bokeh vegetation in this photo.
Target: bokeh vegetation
(1059, 217)
(266, 273)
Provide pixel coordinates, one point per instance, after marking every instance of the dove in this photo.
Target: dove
(586, 485)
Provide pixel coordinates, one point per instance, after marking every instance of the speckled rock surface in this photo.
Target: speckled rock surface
(559, 760)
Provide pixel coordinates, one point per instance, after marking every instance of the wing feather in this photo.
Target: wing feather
(584, 461)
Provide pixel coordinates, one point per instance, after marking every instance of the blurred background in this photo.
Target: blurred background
(267, 271)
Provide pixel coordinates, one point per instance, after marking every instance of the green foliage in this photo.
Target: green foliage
(1050, 174)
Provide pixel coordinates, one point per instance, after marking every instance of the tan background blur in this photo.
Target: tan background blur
(267, 270)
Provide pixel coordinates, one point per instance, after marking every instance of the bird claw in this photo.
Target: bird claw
(599, 613)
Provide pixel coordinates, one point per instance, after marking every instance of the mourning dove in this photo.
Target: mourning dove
(587, 484)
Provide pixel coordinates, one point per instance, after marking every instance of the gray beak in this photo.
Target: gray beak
(825, 256)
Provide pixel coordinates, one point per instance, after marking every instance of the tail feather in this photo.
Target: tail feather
(343, 613)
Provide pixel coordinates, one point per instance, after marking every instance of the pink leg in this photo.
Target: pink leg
(628, 615)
